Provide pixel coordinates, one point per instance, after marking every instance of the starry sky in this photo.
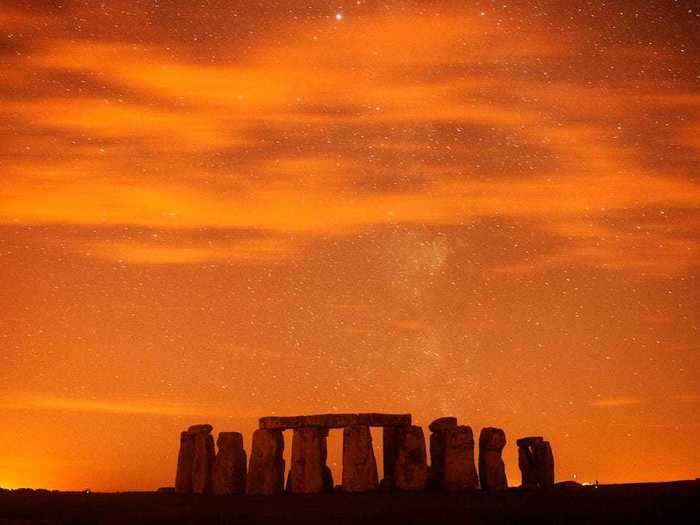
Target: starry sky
(218, 210)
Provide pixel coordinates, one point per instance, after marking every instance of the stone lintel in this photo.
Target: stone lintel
(334, 421)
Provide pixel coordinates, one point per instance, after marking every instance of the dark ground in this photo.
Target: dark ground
(677, 502)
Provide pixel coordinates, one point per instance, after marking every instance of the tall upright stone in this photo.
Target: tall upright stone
(185, 462)
(492, 470)
(536, 462)
(437, 448)
(545, 464)
(203, 464)
(266, 469)
(308, 460)
(230, 464)
(459, 471)
(359, 464)
(411, 469)
(390, 446)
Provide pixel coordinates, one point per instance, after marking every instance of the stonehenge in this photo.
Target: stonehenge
(536, 462)
(411, 468)
(195, 460)
(266, 467)
(230, 469)
(359, 465)
(492, 470)
(201, 469)
(452, 456)
(308, 460)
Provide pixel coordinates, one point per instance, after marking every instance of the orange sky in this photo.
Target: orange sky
(221, 210)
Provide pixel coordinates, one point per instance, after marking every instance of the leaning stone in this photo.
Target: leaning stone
(203, 464)
(328, 485)
(359, 465)
(411, 469)
(266, 469)
(308, 460)
(384, 420)
(459, 471)
(185, 461)
(229, 465)
(492, 470)
(443, 423)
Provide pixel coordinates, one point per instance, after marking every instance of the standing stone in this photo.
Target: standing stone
(266, 469)
(411, 469)
(536, 462)
(437, 448)
(203, 464)
(359, 465)
(308, 460)
(492, 470)
(459, 471)
(390, 446)
(185, 461)
(230, 464)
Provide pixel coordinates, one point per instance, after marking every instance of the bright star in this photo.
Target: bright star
(339, 16)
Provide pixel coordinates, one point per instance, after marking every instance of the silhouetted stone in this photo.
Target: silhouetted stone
(200, 429)
(411, 469)
(545, 459)
(359, 465)
(492, 470)
(185, 462)
(327, 479)
(203, 464)
(335, 421)
(266, 470)
(229, 465)
(319, 420)
(536, 462)
(443, 423)
(459, 471)
(384, 420)
(308, 460)
(390, 445)
(529, 441)
(527, 465)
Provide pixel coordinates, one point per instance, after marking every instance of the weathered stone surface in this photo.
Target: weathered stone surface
(200, 429)
(390, 445)
(492, 471)
(359, 464)
(308, 460)
(185, 462)
(384, 420)
(266, 469)
(229, 465)
(203, 464)
(411, 469)
(443, 423)
(459, 471)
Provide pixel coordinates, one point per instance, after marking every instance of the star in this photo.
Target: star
(339, 16)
